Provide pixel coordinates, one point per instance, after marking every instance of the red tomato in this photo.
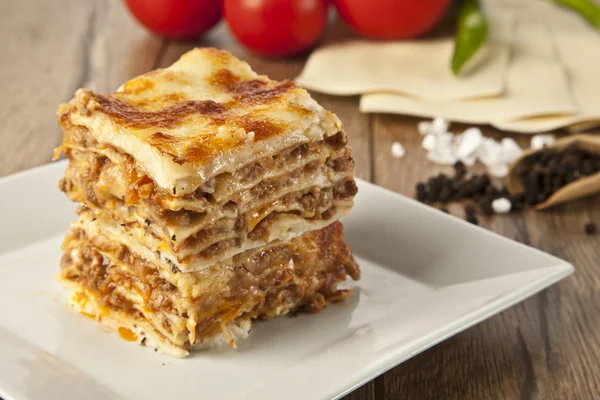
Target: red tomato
(392, 19)
(276, 27)
(176, 19)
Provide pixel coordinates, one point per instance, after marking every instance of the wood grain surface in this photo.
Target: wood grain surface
(547, 347)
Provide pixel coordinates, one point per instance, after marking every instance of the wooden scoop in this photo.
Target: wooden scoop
(582, 187)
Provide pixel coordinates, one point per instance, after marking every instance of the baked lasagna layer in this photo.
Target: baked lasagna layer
(205, 115)
(177, 311)
(308, 187)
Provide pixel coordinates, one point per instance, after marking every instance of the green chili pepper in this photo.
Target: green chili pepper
(471, 34)
(586, 8)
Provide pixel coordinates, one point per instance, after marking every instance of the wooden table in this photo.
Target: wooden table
(547, 347)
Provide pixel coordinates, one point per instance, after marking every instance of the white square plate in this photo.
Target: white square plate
(425, 276)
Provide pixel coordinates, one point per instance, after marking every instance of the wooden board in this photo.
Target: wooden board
(545, 348)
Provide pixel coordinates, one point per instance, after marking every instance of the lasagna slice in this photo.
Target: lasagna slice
(177, 312)
(209, 198)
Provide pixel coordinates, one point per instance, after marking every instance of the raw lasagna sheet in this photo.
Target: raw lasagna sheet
(578, 50)
(536, 86)
(418, 69)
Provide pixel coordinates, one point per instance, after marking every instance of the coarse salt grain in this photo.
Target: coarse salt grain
(540, 141)
(469, 160)
(468, 142)
(489, 152)
(442, 158)
(429, 142)
(439, 126)
(498, 170)
(424, 127)
(441, 148)
(501, 205)
(398, 150)
(510, 150)
(444, 141)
